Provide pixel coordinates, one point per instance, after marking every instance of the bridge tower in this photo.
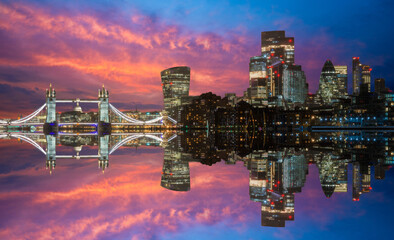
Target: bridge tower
(50, 126)
(103, 152)
(51, 152)
(104, 124)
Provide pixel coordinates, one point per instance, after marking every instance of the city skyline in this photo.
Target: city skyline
(202, 119)
(76, 46)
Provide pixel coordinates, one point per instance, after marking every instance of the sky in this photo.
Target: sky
(80, 45)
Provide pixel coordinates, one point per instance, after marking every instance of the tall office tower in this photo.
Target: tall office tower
(295, 169)
(366, 76)
(342, 178)
(342, 79)
(258, 81)
(276, 51)
(175, 82)
(380, 85)
(356, 74)
(275, 45)
(258, 165)
(328, 85)
(176, 173)
(295, 88)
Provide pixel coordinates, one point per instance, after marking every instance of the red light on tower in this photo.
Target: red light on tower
(370, 69)
(290, 217)
(290, 40)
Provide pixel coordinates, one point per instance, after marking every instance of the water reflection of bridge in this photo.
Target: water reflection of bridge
(104, 149)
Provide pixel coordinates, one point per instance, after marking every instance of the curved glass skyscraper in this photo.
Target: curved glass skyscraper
(176, 84)
(328, 85)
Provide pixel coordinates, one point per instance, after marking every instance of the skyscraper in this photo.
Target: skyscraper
(356, 74)
(328, 85)
(275, 45)
(366, 76)
(266, 72)
(361, 75)
(258, 79)
(295, 88)
(175, 82)
(342, 79)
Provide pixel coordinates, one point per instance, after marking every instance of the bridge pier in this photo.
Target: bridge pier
(51, 152)
(104, 124)
(51, 126)
(103, 159)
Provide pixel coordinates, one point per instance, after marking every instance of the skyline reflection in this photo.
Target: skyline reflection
(278, 163)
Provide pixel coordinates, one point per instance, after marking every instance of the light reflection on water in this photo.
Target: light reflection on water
(146, 192)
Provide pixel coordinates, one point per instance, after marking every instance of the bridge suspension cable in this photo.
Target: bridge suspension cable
(132, 120)
(133, 137)
(26, 139)
(27, 118)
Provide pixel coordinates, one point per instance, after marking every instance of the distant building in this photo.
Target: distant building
(328, 85)
(356, 75)
(366, 76)
(342, 79)
(380, 85)
(361, 75)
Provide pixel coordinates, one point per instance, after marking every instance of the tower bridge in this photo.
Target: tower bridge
(103, 124)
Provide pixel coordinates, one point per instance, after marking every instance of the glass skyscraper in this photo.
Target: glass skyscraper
(176, 83)
(328, 85)
(342, 79)
(295, 88)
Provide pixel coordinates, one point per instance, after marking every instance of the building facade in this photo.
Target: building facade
(380, 85)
